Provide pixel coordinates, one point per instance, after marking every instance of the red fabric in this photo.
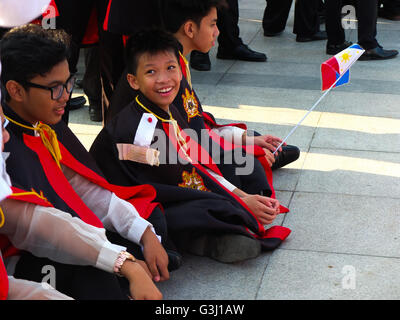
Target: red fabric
(105, 25)
(3, 281)
(59, 182)
(141, 197)
(53, 4)
(125, 39)
(183, 66)
(329, 71)
(208, 120)
(6, 247)
(32, 198)
(256, 151)
(92, 30)
(261, 229)
(277, 232)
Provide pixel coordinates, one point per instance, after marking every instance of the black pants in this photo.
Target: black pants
(92, 79)
(306, 19)
(228, 25)
(367, 13)
(74, 18)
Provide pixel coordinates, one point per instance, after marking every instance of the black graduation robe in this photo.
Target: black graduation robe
(193, 200)
(32, 169)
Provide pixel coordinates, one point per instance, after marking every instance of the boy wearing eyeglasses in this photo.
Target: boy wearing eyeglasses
(48, 161)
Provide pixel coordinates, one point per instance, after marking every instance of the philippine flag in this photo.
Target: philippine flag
(339, 67)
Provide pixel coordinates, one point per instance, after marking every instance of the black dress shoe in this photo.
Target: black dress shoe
(320, 35)
(287, 155)
(77, 102)
(378, 53)
(241, 52)
(95, 113)
(272, 33)
(200, 61)
(336, 48)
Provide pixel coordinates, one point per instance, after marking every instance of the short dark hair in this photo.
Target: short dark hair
(150, 41)
(176, 12)
(30, 50)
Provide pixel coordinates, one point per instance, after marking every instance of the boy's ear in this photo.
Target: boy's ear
(189, 28)
(132, 80)
(15, 90)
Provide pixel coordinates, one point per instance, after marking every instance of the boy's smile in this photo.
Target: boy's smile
(158, 77)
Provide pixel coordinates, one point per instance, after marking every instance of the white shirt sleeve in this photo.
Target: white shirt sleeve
(52, 233)
(230, 134)
(222, 180)
(116, 214)
(20, 289)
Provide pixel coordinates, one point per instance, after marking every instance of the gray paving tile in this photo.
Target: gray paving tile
(344, 224)
(306, 83)
(351, 172)
(339, 131)
(304, 275)
(204, 279)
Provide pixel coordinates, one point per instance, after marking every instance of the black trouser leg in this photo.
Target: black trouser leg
(111, 56)
(91, 80)
(78, 282)
(73, 21)
(228, 19)
(333, 22)
(276, 14)
(306, 20)
(367, 15)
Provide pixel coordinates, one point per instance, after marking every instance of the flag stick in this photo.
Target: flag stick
(313, 107)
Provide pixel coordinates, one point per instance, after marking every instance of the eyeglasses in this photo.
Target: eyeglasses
(58, 90)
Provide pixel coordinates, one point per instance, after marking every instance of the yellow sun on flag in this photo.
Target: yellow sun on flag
(346, 57)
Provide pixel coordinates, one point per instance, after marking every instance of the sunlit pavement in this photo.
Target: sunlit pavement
(343, 192)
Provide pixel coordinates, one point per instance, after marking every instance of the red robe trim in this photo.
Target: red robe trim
(256, 151)
(3, 281)
(92, 30)
(105, 25)
(278, 231)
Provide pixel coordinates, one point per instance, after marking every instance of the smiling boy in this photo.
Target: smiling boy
(146, 143)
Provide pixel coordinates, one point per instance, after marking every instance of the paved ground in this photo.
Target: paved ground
(343, 192)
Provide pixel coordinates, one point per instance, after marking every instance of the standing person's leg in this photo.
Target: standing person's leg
(111, 56)
(275, 16)
(92, 82)
(333, 22)
(306, 21)
(74, 17)
(228, 20)
(334, 29)
(230, 45)
(367, 15)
